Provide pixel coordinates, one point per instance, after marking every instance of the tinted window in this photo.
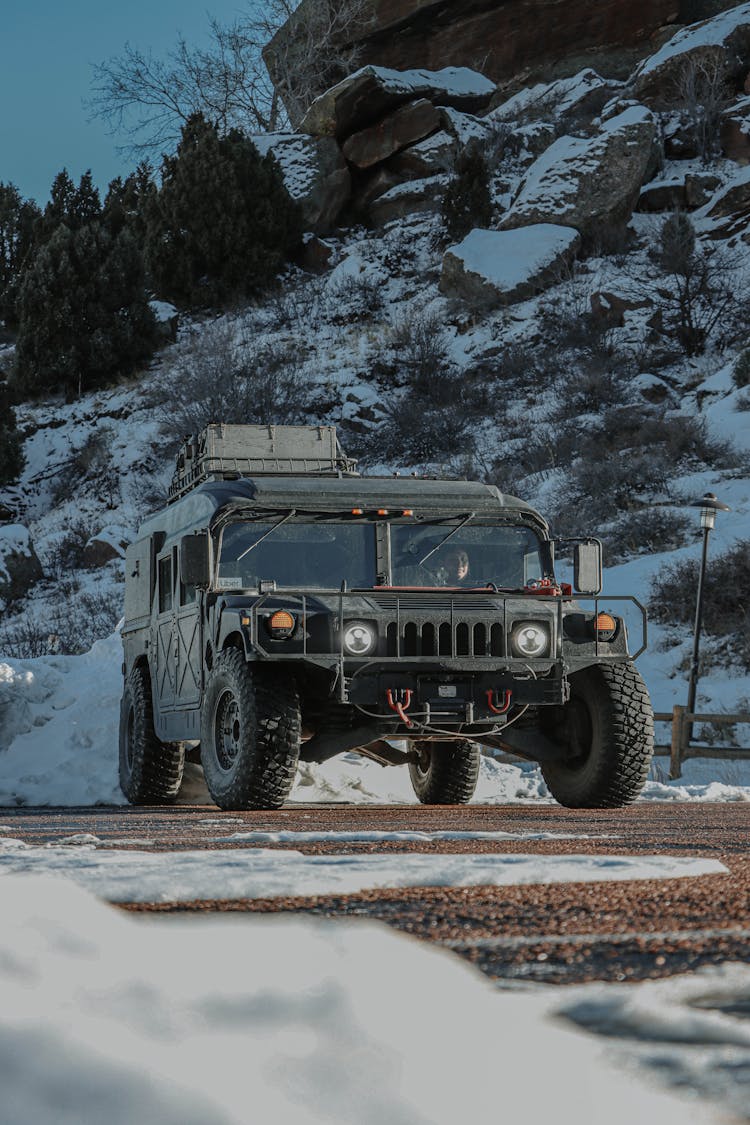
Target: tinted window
(298, 554)
(509, 557)
(165, 584)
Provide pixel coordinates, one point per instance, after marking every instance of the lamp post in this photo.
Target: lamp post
(709, 506)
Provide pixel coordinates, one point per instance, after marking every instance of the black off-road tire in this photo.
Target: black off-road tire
(609, 733)
(250, 734)
(150, 770)
(447, 772)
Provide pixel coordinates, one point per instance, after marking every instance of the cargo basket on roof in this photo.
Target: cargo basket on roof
(223, 452)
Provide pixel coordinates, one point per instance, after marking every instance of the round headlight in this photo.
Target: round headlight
(359, 638)
(530, 639)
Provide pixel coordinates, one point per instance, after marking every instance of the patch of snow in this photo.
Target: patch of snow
(132, 876)
(105, 1018)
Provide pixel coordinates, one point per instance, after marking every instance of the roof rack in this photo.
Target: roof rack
(229, 452)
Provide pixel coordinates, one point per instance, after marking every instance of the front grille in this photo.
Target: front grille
(445, 638)
(437, 603)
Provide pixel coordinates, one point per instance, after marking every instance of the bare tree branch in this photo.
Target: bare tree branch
(147, 99)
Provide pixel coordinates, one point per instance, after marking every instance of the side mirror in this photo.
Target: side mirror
(195, 560)
(587, 567)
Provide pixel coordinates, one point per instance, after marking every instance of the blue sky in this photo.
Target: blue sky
(46, 51)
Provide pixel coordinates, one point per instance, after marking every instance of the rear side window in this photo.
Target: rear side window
(165, 584)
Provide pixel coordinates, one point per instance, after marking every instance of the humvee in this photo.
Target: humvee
(283, 608)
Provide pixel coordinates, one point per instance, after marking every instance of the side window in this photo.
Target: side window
(165, 584)
(187, 594)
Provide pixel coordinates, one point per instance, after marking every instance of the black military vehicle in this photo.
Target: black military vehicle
(282, 608)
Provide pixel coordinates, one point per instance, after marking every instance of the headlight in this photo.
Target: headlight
(359, 638)
(530, 638)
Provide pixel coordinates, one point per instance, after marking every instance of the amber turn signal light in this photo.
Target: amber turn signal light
(605, 626)
(281, 624)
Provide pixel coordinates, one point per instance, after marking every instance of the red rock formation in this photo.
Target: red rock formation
(501, 38)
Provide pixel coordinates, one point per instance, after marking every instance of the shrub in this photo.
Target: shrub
(726, 607)
(741, 370)
(467, 202)
(71, 629)
(222, 223)
(418, 349)
(647, 531)
(217, 379)
(11, 446)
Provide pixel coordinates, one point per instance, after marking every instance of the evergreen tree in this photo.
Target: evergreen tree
(69, 205)
(127, 201)
(467, 202)
(84, 316)
(222, 223)
(11, 454)
(18, 217)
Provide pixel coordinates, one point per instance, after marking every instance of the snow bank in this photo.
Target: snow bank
(58, 728)
(59, 720)
(134, 876)
(103, 1018)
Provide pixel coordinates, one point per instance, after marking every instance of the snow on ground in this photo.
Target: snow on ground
(132, 876)
(103, 1017)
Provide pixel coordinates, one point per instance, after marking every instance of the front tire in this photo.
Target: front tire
(250, 735)
(150, 770)
(446, 773)
(609, 737)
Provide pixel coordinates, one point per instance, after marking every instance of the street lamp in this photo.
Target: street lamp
(709, 506)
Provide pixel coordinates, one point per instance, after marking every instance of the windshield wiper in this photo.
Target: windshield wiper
(270, 531)
(450, 535)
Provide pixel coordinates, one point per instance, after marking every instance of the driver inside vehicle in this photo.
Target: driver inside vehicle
(454, 568)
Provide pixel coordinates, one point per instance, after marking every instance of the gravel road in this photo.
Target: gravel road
(564, 933)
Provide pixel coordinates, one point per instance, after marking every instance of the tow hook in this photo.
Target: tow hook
(399, 700)
(493, 702)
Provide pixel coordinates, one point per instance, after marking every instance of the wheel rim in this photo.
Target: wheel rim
(425, 759)
(130, 738)
(227, 730)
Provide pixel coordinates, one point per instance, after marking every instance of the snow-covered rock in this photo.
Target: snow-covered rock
(584, 92)
(19, 565)
(315, 175)
(731, 199)
(371, 92)
(491, 268)
(726, 37)
(735, 131)
(407, 199)
(430, 157)
(589, 183)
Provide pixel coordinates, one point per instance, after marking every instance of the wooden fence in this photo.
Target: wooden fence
(683, 747)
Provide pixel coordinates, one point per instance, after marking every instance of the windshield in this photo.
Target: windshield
(509, 557)
(297, 554)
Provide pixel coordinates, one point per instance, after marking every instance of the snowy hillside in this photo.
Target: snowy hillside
(575, 395)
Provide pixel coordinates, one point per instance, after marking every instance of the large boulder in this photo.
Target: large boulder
(492, 268)
(430, 157)
(735, 132)
(726, 38)
(20, 567)
(731, 199)
(315, 175)
(407, 199)
(405, 126)
(591, 183)
(512, 37)
(583, 93)
(370, 93)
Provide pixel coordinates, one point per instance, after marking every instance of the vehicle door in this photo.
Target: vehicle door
(189, 644)
(165, 633)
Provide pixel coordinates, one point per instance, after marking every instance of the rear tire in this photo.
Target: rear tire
(447, 772)
(250, 735)
(609, 734)
(150, 770)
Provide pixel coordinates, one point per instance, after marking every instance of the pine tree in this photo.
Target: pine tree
(11, 453)
(222, 223)
(18, 217)
(467, 202)
(84, 316)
